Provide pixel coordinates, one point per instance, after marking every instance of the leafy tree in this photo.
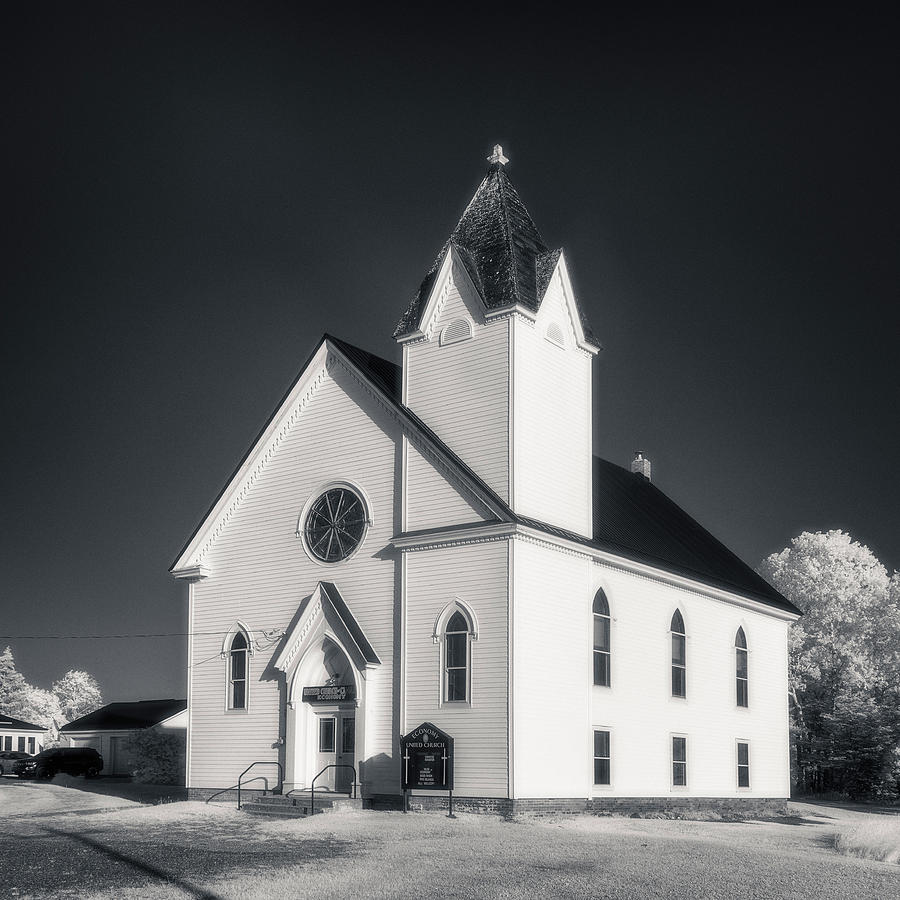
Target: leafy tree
(75, 694)
(844, 663)
(78, 693)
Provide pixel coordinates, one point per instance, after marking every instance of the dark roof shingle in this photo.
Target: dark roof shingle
(501, 249)
(632, 517)
(8, 723)
(137, 714)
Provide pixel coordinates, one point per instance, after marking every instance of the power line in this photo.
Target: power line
(103, 637)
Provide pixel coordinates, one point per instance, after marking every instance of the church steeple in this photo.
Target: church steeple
(501, 248)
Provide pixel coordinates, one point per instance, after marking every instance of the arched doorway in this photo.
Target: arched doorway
(321, 721)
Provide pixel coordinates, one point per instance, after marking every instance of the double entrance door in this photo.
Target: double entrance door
(335, 736)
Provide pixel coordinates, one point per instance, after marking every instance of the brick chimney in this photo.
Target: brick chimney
(639, 465)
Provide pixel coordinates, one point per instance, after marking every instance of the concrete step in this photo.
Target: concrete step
(299, 804)
(277, 811)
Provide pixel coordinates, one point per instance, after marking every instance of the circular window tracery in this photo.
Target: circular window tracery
(335, 525)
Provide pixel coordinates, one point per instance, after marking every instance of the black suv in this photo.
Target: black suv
(71, 760)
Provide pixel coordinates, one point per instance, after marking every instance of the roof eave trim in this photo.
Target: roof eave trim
(581, 338)
(658, 573)
(452, 266)
(185, 561)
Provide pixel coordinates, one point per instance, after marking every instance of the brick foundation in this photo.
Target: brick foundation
(229, 796)
(639, 807)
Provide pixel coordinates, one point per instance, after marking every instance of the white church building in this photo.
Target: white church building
(435, 542)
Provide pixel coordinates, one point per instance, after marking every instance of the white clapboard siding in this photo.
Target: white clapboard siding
(551, 672)
(476, 574)
(461, 390)
(641, 714)
(432, 500)
(551, 420)
(260, 573)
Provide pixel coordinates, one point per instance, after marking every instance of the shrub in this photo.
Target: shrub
(157, 756)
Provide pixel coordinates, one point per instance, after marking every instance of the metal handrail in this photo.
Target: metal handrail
(234, 787)
(259, 762)
(312, 787)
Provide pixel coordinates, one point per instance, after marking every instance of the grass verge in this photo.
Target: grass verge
(878, 839)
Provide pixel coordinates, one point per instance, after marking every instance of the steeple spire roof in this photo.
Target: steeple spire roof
(501, 247)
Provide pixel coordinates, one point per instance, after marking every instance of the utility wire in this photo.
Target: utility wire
(101, 637)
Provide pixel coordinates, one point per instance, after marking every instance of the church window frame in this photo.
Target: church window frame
(602, 624)
(602, 762)
(742, 764)
(678, 768)
(457, 331)
(678, 644)
(741, 670)
(319, 524)
(455, 631)
(238, 673)
(237, 668)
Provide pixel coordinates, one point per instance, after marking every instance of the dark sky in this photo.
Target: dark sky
(194, 193)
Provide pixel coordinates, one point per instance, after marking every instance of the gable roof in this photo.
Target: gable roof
(136, 714)
(502, 251)
(632, 517)
(8, 723)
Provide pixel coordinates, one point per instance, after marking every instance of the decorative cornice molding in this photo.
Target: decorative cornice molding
(192, 573)
(283, 663)
(455, 537)
(688, 586)
(508, 531)
(266, 450)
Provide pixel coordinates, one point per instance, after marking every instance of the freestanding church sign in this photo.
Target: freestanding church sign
(426, 754)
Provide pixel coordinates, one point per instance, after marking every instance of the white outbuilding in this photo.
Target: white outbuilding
(435, 542)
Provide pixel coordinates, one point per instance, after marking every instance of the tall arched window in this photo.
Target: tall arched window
(237, 672)
(601, 639)
(679, 661)
(740, 668)
(457, 659)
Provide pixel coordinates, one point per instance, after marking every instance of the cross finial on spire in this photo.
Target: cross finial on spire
(497, 156)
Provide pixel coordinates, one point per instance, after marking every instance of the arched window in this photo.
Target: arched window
(457, 659)
(601, 639)
(740, 668)
(237, 672)
(679, 661)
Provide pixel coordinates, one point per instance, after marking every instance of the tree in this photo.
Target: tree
(78, 694)
(42, 708)
(13, 686)
(844, 663)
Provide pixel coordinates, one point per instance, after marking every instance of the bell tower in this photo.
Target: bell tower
(497, 358)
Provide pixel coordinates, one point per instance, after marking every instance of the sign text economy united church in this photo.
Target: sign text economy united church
(426, 755)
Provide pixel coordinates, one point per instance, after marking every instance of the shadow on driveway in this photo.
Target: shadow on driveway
(134, 862)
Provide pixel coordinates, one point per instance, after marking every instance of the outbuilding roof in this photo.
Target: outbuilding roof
(502, 250)
(134, 714)
(9, 723)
